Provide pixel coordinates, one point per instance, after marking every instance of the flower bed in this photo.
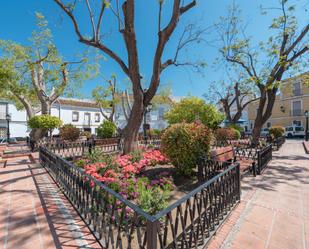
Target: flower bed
(125, 175)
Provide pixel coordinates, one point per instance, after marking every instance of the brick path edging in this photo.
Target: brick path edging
(226, 227)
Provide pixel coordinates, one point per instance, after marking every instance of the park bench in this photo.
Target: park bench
(227, 154)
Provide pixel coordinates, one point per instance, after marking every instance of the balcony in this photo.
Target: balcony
(297, 112)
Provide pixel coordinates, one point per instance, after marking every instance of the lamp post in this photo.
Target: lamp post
(8, 120)
(306, 132)
(146, 126)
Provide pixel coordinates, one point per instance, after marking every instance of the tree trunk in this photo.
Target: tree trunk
(132, 128)
(46, 107)
(267, 100)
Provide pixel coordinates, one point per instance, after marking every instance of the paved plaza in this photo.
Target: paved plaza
(34, 213)
(274, 212)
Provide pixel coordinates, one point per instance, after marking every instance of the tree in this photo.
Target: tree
(37, 75)
(45, 122)
(130, 66)
(283, 51)
(235, 96)
(193, 109)
(16, 90)
(107, 98)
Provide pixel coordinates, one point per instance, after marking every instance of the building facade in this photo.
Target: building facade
(290, 104)
(84, 114)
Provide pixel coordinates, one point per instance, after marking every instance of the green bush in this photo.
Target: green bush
(184, 144)
(236, 127)
(69, 132)
(44, 122)
(224, 134)
(276, 131)
(86, 134)
(237, 134)
(154, 132)
(106, 130)
(191, 109)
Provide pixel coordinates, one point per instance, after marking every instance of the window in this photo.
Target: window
(87, 118)
(297, 122)
(299, 128)
(296, 108)
(75, 116)
(97, 117)
(289, 129)
(268, 124)
(297, 88)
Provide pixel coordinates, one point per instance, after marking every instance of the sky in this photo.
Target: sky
(17, 18)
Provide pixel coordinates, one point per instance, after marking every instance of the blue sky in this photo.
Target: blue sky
(17, 20)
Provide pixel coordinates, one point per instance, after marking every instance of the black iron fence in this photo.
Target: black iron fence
(80, 148)
(119, 223)
(278, 142)
(257, 157)
(264, 157)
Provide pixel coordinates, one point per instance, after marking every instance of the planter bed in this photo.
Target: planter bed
(190, 214)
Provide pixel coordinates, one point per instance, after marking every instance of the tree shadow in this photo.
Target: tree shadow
(49, 216)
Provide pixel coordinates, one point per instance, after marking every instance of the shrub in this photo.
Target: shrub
(184, 144)
(86, 134)
(224, 134)
(236, 127)
(106, 130)
(237, 134)
(154, 132)
(276, 131)
(69, 132)
(191, 109)
(44, 122)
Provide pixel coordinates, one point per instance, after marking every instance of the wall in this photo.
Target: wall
(282, 113)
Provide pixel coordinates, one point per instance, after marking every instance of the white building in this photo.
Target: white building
(84, 114)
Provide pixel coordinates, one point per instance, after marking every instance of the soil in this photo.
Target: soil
(184, 184)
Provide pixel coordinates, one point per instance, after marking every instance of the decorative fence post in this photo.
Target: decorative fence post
(151, 230)
(254, 167)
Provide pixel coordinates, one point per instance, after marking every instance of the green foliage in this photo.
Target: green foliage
(103, 95)
(236, 127)
(44, 122)
(106, 130)
(191, 109)
(237, 134)
(136, 155)
(152, 199)
(69, 132)
(18, 61)
(224, 134)
(184, 144)
(276, 131)
(86, 134)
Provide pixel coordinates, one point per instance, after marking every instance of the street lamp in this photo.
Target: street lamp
(8, 120)
(306, 132)
(146, 126)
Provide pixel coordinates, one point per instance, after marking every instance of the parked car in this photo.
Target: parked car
(264, 132)
(294, 131)
(13, 140)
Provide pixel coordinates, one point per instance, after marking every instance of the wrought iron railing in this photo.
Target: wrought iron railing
(278, 142)
(260, 156)
(119, 223)
(264, 157)
(80, 148)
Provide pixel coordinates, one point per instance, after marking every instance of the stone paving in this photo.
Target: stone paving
(34, 213)
(274, 211)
